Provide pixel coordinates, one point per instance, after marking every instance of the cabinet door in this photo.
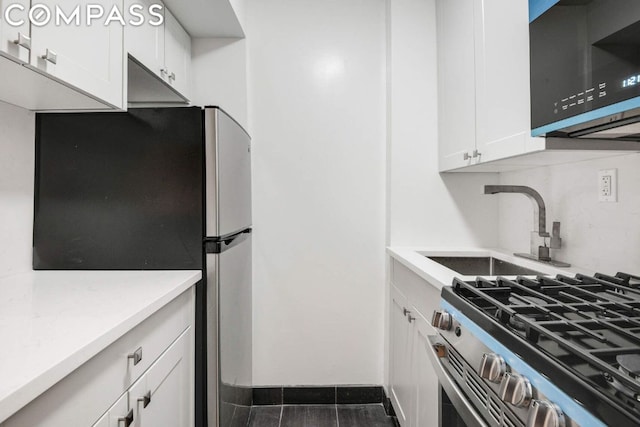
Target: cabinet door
(87, 57)
(164, 394)
(456, 82)
(502, 77)
(145, 43)
(177, 54)
(116, 415)
(400, 342)
(426, 391)
(10, 34)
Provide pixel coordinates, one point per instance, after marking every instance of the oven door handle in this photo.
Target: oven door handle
(466, 411)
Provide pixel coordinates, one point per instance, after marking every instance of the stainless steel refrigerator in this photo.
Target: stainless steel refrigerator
(228, 268)
(158, 189)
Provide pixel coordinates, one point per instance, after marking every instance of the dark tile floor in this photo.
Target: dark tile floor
(320, 416)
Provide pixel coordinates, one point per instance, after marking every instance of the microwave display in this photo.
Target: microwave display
(585, 61)
(631, 81)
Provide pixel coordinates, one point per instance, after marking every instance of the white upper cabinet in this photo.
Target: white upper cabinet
(59, 65)
(484, 98)
(15, 38)
(456, 83)
(502, 78)
(177, 49)
(85, 56)
(164, 51)
(483, 80)
(146, 42)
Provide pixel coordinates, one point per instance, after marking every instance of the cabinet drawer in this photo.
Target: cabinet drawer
(82, 397)
(421, 294)
(116, 413)
(156, 337)
(163, 395)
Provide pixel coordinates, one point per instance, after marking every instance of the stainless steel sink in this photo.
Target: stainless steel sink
(482, 266)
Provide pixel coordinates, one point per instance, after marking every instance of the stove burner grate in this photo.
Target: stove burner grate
(590, 326)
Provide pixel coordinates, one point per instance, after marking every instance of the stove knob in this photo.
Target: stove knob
(441, 320)
(515, 389)
(492, 367)
(545, 414)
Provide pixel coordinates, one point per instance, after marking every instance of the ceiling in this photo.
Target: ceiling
(207, 18)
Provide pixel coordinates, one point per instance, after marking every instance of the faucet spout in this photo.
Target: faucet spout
(540, 211)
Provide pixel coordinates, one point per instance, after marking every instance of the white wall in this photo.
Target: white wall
(317, 117)
(597, 236)
(220, 75)
(16, 188)
(426, 208)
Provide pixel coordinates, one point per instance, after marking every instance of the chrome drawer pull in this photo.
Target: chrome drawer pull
(146, 399)
(23, 41)
(50, 56)
(128, 420)
(136, 356)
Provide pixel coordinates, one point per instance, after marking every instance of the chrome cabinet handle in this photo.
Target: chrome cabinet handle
(146, 399)
(136, 356)
(23, 41)
(466, 156)
(128, 420)
(475, 154)
(50, 56)
(164, 71)
(410, 318)
(172, 76)
(405, 311)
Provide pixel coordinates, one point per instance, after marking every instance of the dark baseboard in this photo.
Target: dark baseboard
(388, 408)
(331, 395)
(340, 395)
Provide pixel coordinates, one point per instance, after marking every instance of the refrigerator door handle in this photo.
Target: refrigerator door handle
(216, 245)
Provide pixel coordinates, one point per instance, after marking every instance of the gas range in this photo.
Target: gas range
(557, 352)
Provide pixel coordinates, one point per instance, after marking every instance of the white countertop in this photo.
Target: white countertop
(51, 322)
(415, 259)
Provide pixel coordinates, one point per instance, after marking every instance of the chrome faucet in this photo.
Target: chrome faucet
(539, 252)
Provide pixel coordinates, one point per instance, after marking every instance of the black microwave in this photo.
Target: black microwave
(585, 68)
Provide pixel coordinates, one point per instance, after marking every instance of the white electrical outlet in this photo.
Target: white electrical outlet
(608, 185)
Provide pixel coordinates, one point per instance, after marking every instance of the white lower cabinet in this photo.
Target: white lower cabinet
(117, 415)
(426, 387)
(161, 396)
(413, 383)
(401, 342)
(145, 378)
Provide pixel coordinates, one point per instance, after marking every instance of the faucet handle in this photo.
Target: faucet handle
(556, 241)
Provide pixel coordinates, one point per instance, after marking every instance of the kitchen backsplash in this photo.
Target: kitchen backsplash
(16, 188)
(597, 236)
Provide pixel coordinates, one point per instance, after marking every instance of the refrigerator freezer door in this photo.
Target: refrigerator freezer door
(228, 169)
(229, 334)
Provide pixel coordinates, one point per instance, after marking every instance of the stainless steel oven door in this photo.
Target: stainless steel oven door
(452, 394)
